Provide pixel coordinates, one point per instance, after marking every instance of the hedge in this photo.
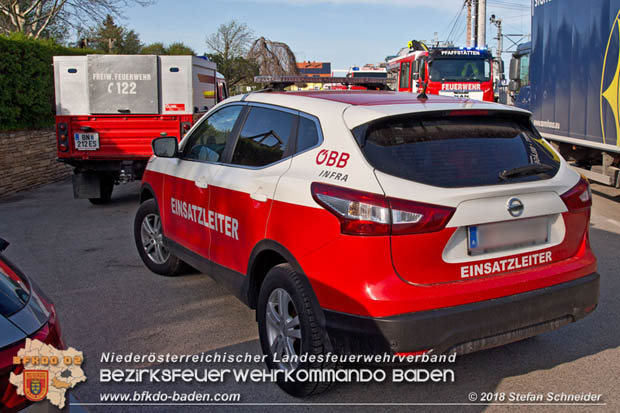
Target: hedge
(27, 81)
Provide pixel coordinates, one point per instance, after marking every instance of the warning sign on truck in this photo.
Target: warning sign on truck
(172, 107)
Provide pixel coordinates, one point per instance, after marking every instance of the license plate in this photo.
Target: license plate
(500, 236)
(86, 141)
(475, 95)
(463, 95)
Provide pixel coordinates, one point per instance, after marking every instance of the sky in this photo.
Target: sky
(344, 32)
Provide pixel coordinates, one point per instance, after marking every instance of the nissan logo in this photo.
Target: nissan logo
(515, 207)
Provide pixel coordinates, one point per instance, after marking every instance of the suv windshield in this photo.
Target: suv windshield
(460, 70)
(457, 151)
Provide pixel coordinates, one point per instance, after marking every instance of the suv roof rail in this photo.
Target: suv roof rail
(278, 83)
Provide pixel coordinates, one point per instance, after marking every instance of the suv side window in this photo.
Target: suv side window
(208, 141)
(307, 134)
(264, 137)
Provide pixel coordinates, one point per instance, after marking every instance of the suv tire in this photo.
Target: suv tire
(151, 246)
(300, 332)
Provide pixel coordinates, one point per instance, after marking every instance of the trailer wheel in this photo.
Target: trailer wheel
(150, 242)
(106, 186)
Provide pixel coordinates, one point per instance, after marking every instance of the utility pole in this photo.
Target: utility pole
(468, 3)
(498, 22)
(475, 22)
(482, 23)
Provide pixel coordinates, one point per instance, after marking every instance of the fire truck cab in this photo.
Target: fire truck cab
(448, 71)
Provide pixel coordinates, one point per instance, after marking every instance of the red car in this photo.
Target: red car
(25, 312)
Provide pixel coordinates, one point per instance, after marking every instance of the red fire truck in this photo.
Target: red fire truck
(110, 107)
(368, 71)
(449, 71)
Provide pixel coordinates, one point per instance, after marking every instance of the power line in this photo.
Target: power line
(508, 6)
(460, 29)
(456, 22)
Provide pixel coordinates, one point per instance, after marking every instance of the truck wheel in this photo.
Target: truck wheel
(106, 186)
(287, 326)
(149, 239)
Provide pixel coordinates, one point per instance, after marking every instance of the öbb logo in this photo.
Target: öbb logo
(332, 158)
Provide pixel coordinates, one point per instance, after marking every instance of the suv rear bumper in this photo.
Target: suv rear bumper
(466, 328)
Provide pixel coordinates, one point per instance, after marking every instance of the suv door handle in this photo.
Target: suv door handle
(259, 197)
(201, 182)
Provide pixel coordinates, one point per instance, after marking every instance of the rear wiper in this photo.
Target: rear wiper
(525, 170)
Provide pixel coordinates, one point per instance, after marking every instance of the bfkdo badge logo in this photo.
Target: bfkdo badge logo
(36, 384)
(47, 372)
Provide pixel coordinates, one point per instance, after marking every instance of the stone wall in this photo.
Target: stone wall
(28, 160)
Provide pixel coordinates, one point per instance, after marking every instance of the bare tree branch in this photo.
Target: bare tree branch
(34, 5)
(34, 17)
(50, 16)
(231, 40)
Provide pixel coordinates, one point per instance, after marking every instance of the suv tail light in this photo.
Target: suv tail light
(416, 218)
(578, 197)
(362, 213)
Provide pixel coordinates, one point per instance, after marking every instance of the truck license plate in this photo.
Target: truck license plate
(458, 94)
(86, 141)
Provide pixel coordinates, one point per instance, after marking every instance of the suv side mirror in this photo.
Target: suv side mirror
(514, 69)
(166, 147)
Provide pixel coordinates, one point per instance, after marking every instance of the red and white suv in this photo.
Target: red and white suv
(372, 222)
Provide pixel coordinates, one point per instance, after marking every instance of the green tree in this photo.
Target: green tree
(111, 38)
(237, 71)
(176, 48)
(27, 80)
(231, 40)
(131, 43)
(157, 48)
(228, 46)
(179, 48)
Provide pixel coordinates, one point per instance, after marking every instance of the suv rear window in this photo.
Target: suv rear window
(458, 151)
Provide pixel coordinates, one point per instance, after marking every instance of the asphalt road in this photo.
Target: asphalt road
(84, 258)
